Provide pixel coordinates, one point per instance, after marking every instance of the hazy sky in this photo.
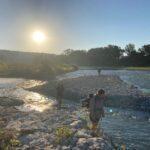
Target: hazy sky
(76, 24)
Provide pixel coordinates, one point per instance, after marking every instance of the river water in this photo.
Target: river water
(128, 127)
(141, 79)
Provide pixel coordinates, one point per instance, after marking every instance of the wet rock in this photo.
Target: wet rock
(36, 126)
(83, 134)
(134, 117)
(65, 147)
(14, 125)
(82, 144)
(1, 107)
(7, 102)
(93, 143)
(25, 147)
(74, 141)
(25, 139)
(77, 124)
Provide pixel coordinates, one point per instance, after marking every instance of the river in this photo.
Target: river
(141, 79)
(127, 127)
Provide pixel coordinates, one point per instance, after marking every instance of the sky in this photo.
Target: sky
(74, 24)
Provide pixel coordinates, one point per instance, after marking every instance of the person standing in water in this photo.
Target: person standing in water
(99, 71)
(96, 108)
(60, 92)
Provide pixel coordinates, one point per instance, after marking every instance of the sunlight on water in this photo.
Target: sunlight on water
(35, 107)
(32, 101)
(110, 110)
(35, 102)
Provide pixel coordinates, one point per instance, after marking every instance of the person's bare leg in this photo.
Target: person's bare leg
(58, 103)
(94, 126)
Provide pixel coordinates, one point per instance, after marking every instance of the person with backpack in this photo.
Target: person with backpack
(96, 108)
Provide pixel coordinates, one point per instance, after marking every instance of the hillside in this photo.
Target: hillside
(23, 57)
(31, 65)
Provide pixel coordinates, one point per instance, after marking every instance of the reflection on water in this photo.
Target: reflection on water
(32, 100)
(9, 82)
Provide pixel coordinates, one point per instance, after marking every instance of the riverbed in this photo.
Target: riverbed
(140, 79)
(38, 124)
(126, 127)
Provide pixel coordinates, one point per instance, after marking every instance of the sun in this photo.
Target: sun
(38, 36)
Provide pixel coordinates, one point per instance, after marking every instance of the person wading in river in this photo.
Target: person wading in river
(96, 108)
(99, 71)
(60, 92)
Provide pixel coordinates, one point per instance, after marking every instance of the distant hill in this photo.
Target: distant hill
(32, 65)
(23, 57)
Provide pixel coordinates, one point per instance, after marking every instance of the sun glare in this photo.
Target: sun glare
(38, 37)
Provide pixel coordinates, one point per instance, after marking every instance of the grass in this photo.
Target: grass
(113, 68)
(44, 70)
(138, 68)
(8, 139)
(63, 133)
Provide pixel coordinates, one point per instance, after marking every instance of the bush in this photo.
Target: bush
(8, 139)
(63, 133)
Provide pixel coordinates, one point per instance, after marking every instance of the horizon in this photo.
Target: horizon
(73, 25)
(61, 52)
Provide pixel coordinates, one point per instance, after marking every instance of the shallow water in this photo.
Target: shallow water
(131, 128)
(140, 79)
(9, 87)
(9, 82)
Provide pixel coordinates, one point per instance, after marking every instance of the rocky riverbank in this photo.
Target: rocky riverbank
(113, 85)
(119, 94)
(48, 129)
(29, 120)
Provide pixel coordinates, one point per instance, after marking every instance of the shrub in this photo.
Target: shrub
(8, 139)
(63, 133)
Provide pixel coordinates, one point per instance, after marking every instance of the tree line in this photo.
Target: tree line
(111, 55)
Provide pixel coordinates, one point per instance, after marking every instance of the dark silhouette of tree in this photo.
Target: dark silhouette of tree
(130, 49)
(146, 50)
(108, 56)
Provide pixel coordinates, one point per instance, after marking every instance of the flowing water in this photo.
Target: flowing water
(10, 87)
(128, 127)
(141, 79)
